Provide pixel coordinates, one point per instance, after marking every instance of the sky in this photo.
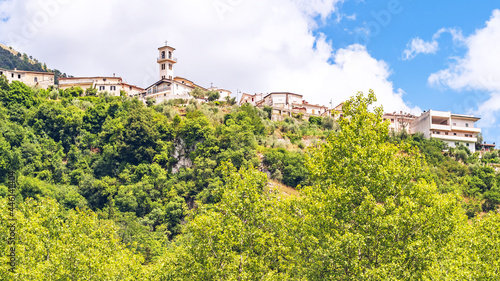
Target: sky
(415, 55)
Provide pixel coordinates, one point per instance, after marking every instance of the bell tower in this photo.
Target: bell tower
(166, 62)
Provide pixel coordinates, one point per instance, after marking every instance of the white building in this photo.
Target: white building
(251, 99)
(169, 86)
(31, 78)
(453, 129)
(112, 85)
(223, 94)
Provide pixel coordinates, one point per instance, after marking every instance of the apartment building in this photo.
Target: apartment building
(453, 129)
(31, 78)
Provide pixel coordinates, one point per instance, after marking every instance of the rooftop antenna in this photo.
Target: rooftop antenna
(211, 85)
(166, 43)
(331, 103)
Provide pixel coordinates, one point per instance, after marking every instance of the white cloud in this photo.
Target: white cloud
(478, 69)
(419, 46)
(251, 45)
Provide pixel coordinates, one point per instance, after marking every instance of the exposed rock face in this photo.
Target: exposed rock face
(181, 153)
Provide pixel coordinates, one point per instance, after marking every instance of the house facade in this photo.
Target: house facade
(251, 99)
(399, 121)
(112, 85)
(223, 94)
(43, 80)
(453, 129)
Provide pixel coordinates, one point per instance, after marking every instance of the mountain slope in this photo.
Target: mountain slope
(12, 59)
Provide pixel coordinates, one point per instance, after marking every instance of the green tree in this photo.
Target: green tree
(4, 83)
(18, 93)
(53, 244)
(198, 93)
(213, 96)
(369, 205)
(90, 91)
(472, 253)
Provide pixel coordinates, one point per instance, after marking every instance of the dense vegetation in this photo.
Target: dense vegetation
(111, 189)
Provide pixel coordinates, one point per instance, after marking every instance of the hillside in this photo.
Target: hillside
(216, 191)
(12, 59)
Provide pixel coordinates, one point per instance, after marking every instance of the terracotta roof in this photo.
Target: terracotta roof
(133, 86)
(166, 47)
(178, 77)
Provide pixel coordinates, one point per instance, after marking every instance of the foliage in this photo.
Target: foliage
(53, 244)
(170, 192)
(286, 166)
(213, 95)
(198, 93)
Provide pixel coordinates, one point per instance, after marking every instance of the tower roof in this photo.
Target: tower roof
(167, 47)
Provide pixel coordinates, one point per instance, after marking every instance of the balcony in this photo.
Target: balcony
(454, 138)
(174, 60)
(466, 129)
(440, 127)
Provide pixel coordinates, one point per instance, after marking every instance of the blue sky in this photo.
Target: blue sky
(389, 37)
(417, 19)
(326, 50)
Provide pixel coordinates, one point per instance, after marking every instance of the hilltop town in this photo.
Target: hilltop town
(451, 128)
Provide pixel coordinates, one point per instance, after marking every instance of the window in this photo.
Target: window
(170, 55)
(392, 120)
(19, 76)
(438, 133)
(446, 133)
(454, 124)
(454, 134)
(162, 66)
(113, 88)
(457, 144)
(466, 135)
(36, 79)
(104, 79)
(163, 77)
(12, 75)
(170, 66)
(468, 144)
(102, 88)
(170, 77)
(163, 54)
(1, 72)
(466, 124)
